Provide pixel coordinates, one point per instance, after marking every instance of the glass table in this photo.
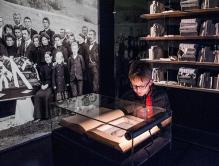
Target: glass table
(111, 129)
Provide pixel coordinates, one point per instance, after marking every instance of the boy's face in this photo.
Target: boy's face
(26, 35)
(141, 86)
(58, 41)
(48, 58)
(27, 23)
(62, 33)
(9, 41)
(74, 49)
(9, 30)
(45, 24)
(59, 58)
(36, 42)
(45, 41)
(17, 19)
(18, 33)
(85, 31)
(91, 36)
(80, 39)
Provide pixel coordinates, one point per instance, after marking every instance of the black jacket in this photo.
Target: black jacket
(158, 96)
(76, 68)
(46, 74)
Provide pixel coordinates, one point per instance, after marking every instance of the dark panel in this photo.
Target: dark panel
(35, 153)
(106, 29)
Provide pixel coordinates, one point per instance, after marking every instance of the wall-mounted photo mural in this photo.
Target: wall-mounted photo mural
(48, 52)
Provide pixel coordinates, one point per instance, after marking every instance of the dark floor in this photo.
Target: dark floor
(44, 152)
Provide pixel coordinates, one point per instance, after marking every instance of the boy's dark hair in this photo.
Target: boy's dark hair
(94, 32)
(140, 69)
(25, 29)
(9, 36)
(56, 35)
(27, 18)
(36, 36)
(47, 19)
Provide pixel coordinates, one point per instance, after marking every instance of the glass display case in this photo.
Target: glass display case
(106, 127)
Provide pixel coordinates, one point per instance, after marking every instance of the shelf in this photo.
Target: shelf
(208, 64)
(187, 88)
(180, 38)
(174, 14)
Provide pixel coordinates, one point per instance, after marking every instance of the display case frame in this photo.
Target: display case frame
(137, 144)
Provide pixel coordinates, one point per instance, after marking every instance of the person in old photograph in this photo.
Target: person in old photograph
(65, 40)
(28, 25)
(46, 26)
(11, 49)
(60, 77)
(18, 37)
(44, 95)
(58, 47)
(46, 46)
(1, 27)
(83, 50)
(7, 29)
(36, 53)
(85, 33)
(76, 67)
(17, 20)
(144, 92)
(27, 45)
(93, 63)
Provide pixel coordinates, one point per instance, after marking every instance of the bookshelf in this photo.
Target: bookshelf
(171, 40)
(178, 14)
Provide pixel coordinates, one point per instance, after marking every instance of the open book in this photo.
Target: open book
(110, 128)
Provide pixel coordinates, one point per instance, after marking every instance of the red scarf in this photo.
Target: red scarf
(148, 103)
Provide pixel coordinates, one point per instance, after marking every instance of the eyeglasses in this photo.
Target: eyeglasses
(141, 87)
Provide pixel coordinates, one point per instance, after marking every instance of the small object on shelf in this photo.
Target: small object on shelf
(209, 4)
(157, 75)
(155, 52)
(187, 76)
(206, 55)
(156, 7)
(217, 29)
(187, 52)
(157, 30)
(216, 82)
(205, 4)
(205, 80)
(207, 28)
(216, 58)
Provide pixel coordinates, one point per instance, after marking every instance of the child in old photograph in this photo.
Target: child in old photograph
(76, 68)
(60, 77)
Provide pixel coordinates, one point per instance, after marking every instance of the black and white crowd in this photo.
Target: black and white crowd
(67, 63)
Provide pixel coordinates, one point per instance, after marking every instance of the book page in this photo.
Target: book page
(82, 124)
(115, 137)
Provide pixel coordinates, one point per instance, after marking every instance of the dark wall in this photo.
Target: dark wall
(34, 153)
(106, 29)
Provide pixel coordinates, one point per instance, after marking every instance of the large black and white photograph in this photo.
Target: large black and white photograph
(48, 53)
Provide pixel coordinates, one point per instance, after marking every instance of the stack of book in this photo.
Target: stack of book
(189, 4)
(187, 52)
(189, 27)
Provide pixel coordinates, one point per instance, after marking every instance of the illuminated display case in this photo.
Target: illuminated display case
(102, 126)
